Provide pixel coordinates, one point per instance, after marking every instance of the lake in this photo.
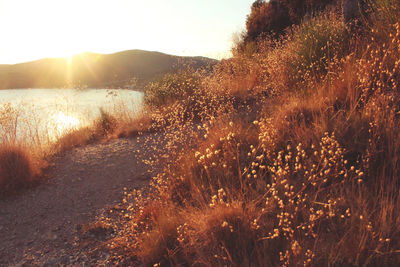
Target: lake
(48, 113)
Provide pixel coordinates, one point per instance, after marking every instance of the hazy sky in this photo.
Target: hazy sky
(32, 29)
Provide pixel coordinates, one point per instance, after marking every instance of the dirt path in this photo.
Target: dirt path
(39, 227)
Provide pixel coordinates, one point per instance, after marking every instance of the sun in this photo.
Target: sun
(69, 59)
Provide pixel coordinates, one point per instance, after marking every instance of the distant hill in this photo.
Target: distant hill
(96, 70)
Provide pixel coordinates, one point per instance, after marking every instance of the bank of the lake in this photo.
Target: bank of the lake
(52, 112)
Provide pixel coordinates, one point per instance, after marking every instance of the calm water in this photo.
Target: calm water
(49, 113)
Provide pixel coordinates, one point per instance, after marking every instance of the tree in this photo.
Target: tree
(273, 17)
(266, 18)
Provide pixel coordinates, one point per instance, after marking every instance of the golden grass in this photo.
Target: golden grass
(285, 156)
(308, 175)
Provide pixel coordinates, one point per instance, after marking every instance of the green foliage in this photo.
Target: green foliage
(318, 43)
(171, 87)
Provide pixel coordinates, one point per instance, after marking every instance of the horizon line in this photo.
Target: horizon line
(112, 53)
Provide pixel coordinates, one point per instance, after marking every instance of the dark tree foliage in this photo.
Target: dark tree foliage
(266, 18)
(273, 17)
(298, 9)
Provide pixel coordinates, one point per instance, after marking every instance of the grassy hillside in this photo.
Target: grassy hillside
(95, 70)
(286, 155)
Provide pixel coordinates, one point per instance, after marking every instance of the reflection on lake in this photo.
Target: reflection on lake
(48, 113)
(64, 122)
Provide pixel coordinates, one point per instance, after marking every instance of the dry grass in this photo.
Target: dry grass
(18, 168)
(25, 154)
(74, 138)
(285, 156)
(308, 175)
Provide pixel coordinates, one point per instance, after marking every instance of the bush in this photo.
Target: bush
(266, 18)
(74, 138)
(171, 87)
(16, 168)
(298, 9)
(106, 124)
(273, 17)
(317, 44)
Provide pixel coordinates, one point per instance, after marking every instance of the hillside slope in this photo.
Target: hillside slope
(95, 70)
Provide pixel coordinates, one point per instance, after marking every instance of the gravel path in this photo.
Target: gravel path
(39, 226)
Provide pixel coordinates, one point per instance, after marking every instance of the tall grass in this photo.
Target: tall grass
(305, 171)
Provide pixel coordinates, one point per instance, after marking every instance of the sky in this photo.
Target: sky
(33, 29)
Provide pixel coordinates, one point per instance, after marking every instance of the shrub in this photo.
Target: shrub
(298, 9)
(266, 18)
(273, 17)
(317, 44)
(73, 138)
(105, 124)
(171, 87)
(16, 168)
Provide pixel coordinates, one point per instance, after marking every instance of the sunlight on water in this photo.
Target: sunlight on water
(64, 123)
(44, 115)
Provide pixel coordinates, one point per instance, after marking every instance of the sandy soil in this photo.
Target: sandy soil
(41, 226)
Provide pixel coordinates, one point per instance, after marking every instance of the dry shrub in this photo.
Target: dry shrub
(214, 162)
(295, 62)
(379, 69)
(17, 168)
(106, 124)
(222, 234)
(74, 138)
(142, 123)
(382, 17)
(160, 241)
(236, 77)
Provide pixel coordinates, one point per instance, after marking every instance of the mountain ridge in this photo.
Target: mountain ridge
(119, 70)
